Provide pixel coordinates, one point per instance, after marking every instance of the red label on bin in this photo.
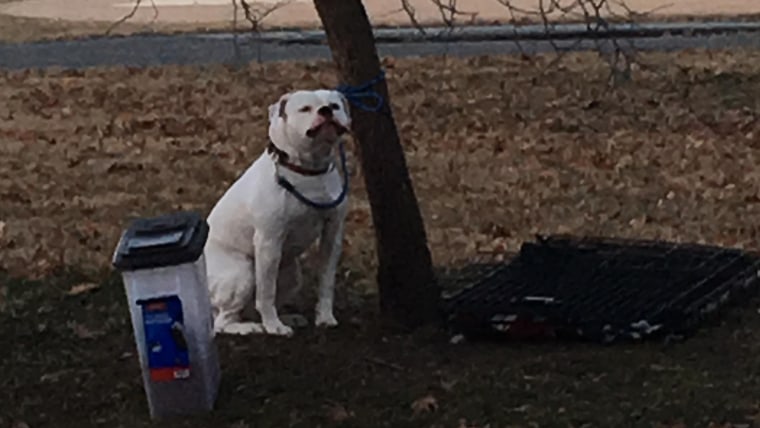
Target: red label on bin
(168, 374)
(155, 306)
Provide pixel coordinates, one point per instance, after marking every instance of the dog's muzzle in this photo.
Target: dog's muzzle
(339, 129)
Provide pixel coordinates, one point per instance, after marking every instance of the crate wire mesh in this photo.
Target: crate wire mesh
(600, 289)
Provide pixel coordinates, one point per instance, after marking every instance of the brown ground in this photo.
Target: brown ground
(497, 151)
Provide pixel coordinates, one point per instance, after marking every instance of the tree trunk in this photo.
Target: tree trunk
(408, 292)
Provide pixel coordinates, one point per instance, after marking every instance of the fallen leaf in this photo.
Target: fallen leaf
(52, 377)
(82, 288)
(2, 229)
(82, 331)
(426, 404)
(457, 339)
(20, 424)
(448, 386)
(389, 62)
(338, 413)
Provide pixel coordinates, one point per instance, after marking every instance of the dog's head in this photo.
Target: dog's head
(309, 121)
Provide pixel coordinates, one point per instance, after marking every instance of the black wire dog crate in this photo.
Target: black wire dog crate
(600, 289)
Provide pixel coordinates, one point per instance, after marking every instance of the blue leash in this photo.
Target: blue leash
(287, 185)
(355, 95)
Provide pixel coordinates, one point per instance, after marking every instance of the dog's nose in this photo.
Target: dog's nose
(325, 111)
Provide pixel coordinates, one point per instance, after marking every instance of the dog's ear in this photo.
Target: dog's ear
(346, 105)
(278, 109)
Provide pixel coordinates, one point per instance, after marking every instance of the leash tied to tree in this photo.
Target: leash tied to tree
(357, 94)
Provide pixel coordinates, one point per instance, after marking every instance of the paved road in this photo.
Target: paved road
(151, 50)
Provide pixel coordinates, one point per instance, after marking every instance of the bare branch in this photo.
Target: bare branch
(620, 55)
(448, 10)
(235, 40)
(155, 11)
(131, 15)
(407, 7)
(256, 13)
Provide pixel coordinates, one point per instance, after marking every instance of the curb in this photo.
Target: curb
(483, 33)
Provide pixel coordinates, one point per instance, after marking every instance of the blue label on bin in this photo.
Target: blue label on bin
(168, 356)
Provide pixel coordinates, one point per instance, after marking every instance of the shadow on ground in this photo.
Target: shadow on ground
(68, 361)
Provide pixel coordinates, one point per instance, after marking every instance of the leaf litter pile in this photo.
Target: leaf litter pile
(499, 149)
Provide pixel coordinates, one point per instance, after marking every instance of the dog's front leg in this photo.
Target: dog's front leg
(330, 247)
(268, 251)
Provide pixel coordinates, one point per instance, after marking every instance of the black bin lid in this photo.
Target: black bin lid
(166, 240)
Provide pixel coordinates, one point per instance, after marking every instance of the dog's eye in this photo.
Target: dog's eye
(335, 106)
(305, 109)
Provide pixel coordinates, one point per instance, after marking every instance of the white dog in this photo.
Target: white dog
(259, 227)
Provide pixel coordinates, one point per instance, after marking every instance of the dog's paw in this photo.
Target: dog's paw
(325, 319)
(241, 328)
(277, 328)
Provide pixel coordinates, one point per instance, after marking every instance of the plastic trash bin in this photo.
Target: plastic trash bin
(162, 264)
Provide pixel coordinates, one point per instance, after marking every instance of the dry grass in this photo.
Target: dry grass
(497, 152)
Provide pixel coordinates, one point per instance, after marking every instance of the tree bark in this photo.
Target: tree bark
(409, 293)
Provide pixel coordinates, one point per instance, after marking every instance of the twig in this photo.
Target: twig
(513, 19)
(155, 11)
(447, 9)
(407, 7)
(634, 14)
(235, 39)
(449, 12)
(132, 13)
(127, 17)
(596, 15)
(255, 15)
(379, 362)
